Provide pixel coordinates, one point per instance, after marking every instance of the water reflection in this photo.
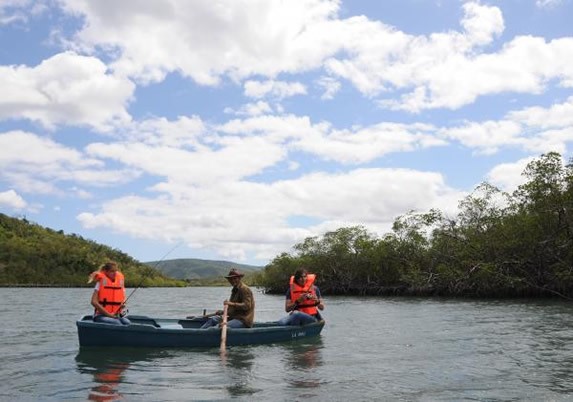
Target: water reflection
(108, 367)
(106, 383)
(303, 361)
(239, 363)
(305, 355)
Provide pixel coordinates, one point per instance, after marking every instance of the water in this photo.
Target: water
(395, 349)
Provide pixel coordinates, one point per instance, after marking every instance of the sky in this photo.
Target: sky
(234, 129)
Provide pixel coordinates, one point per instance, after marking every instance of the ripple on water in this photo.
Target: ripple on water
(371, 349)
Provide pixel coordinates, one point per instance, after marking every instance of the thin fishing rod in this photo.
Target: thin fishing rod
(150, 271)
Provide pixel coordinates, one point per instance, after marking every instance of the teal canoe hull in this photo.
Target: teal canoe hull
(185, 333)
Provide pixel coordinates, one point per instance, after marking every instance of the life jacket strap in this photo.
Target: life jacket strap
(108, 303)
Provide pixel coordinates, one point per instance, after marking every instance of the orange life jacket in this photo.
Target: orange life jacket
(111, 294)
(307, 306)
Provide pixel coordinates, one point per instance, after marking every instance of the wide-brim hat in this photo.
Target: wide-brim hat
(235, 273)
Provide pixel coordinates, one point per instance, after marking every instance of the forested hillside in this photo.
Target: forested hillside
(195, 268)
(500, 244)
(33, 255)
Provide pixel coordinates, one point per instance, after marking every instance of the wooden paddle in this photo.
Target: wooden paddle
(224, 329)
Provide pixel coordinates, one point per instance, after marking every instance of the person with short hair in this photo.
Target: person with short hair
(241, 305)
(108, 297)
(303, 300)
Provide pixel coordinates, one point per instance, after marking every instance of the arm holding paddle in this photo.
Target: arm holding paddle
(240, 306)
(237, 305)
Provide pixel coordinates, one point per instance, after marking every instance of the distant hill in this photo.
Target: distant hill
(194, 268)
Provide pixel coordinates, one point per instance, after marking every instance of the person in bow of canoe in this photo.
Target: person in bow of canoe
(303, 300)
(108, 297)
(241, 305)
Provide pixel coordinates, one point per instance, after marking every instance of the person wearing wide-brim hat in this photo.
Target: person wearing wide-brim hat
(241, 304)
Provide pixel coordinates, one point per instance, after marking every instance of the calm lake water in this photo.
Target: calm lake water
(395, 349)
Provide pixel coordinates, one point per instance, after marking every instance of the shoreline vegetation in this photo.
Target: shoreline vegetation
(498, 245)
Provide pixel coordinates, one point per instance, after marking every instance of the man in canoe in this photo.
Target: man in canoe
(108, 297)
(303, 300)
(241, 305)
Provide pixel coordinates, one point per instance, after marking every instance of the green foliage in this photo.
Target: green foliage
(194, 269)
(499, 244)
(33, 255)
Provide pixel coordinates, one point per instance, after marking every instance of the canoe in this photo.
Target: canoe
(171, 332)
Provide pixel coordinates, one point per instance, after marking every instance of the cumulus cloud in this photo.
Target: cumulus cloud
(441, 70)
(208, 39)
(183, 132)
(275, 89)
(367, 144)
(251, 109)
(452, 69)
(557, 115)
(482, 23)
(231, 159)
(507, 176)
(486, 137)
(31, 163)
(532, 129)
(65, 89)
(548, 3)
(11, 199)
(330, 87)
(20, 11)
(371, 196)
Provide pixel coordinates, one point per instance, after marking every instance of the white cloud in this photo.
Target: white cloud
(204, 40)
(347, 146)
(233, 158)
(548, 3)
(65, 89)
(276, 89)
(507, 176)
(369, 143)
(450, 70)
(203, 220)
(532, 129)
(251, 109)
(441, 70)
(487, 137)
(11, 199)
(482, 23)
(557, 115)
(34, 164)
(183, 132)
(19, 11)
(330, 86)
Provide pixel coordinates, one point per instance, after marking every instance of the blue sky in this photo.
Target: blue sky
(235, 129)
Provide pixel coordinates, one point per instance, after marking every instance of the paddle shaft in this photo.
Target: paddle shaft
(224, 329)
